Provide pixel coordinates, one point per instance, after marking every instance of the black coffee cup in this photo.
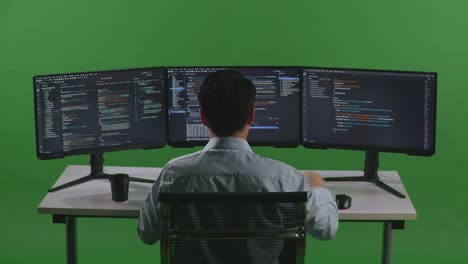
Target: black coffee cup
(119, 187)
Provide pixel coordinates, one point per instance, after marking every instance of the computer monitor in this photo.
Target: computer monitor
(96, 112)
(277, 118)
(372, 110)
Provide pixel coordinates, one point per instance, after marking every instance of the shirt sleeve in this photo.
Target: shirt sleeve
(322, 212)
(148, 222)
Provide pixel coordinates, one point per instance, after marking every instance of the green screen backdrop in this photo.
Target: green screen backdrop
(52, 36)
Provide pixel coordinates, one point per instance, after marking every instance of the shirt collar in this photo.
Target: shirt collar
(228, 143)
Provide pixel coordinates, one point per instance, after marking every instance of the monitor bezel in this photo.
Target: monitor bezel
(198, 143)
(409, 151)
(56, 155)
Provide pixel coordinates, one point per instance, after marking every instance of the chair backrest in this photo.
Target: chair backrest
(230, 227)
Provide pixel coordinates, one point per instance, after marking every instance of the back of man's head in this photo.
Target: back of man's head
(226, 98)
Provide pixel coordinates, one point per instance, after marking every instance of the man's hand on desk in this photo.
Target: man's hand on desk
(315, 180)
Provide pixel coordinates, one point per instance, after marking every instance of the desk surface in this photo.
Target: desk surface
(94, 198)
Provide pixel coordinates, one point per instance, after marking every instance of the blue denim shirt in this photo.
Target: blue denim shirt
(227, 164)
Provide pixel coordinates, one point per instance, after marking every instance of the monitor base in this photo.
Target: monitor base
(97, 173)
(376, 181)
(370, 174)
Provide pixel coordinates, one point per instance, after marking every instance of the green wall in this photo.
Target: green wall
(38, 37)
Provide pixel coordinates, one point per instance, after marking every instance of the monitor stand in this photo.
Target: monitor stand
(370, 174)
(97, 172)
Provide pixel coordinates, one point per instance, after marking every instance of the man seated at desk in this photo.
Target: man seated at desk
(227, 163)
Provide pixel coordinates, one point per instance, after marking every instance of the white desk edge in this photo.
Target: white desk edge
(94, 198)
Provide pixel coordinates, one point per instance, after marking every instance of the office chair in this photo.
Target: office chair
(233, 227)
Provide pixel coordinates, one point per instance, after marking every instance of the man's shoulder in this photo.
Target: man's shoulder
(183, 159)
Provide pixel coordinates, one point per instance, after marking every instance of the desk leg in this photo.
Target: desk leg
(71, 239)
(387, 243)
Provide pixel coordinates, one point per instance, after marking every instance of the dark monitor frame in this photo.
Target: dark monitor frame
(197, 143)
(416, 152)
(55, 155)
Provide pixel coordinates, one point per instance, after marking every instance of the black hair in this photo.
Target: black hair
(227, 98)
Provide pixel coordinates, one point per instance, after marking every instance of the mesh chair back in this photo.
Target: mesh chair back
(232, 227)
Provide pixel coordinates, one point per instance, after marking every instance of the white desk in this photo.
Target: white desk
(93, 199)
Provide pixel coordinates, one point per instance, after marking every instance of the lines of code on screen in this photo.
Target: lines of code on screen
(277, 103)
(100, 110)
(368, 108)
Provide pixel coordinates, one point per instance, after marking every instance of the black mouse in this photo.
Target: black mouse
(343, 201)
